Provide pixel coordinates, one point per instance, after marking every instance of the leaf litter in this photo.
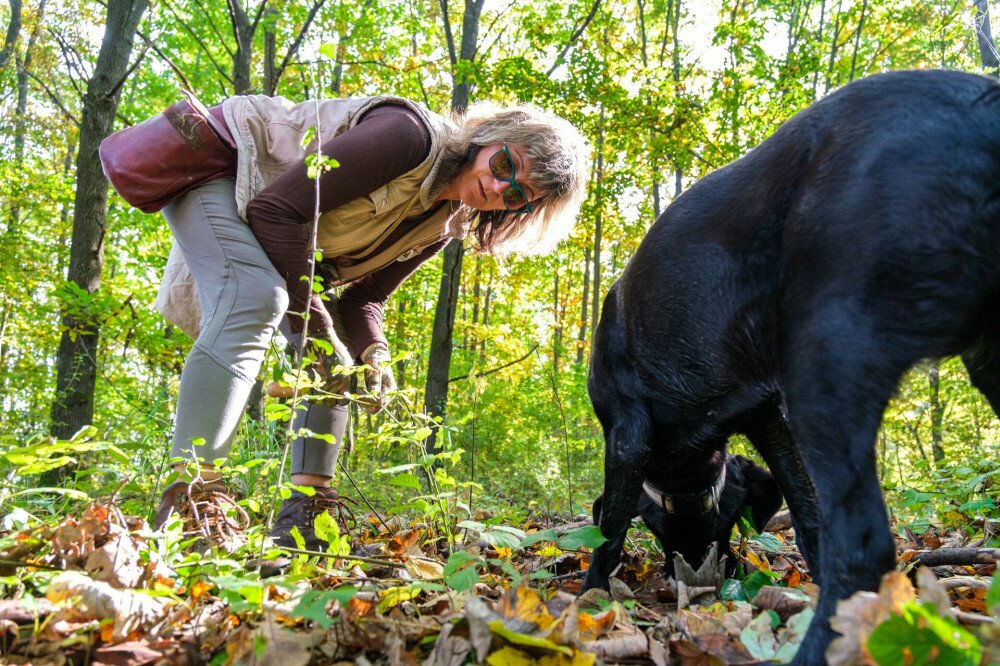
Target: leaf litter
(96, 588)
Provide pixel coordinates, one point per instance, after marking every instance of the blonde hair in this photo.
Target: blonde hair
(558, 155)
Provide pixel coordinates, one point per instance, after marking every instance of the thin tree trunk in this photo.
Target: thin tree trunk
(557, 327)
(937, 413)
(13, 30)
(400, 335)
(984, 37)
(270, 50)
(581, 339)
(819, 38)
(595, 302)
(243, 32)
(833, 48)
(857, 38)
(439, 359)
(73, 406)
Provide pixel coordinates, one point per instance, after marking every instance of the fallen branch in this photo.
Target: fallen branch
(965, 581)
(947, 556)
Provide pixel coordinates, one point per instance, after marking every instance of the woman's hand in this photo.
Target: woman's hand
(379, 379)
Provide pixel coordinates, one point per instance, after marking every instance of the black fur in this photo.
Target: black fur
(784, 296)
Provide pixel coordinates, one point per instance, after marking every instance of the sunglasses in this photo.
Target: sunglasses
(502, 168)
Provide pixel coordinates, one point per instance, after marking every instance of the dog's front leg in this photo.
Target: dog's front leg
(769, 433)
(626, 453)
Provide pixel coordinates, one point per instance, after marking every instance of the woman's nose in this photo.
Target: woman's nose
(499, 186)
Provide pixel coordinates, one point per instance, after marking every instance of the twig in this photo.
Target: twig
(946, 556)
(497, 369)
(22, 563)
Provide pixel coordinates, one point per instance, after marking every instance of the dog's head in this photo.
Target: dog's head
(691, 532)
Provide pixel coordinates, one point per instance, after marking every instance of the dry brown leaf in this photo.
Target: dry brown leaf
(620, 648)
(131, 653)
(858, 615)
(425, 569)
(117, 562)
(782, 601)
(449, 650)
(403, 541)
(130, 610)
(931, 590)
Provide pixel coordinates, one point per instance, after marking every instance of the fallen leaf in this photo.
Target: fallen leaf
(858, 615)
(524, 605)
(130, 610)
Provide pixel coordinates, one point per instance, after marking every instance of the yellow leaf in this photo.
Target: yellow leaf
(396, 595)
(496, 626)
(199, 589)
(549, 551)
(504, 551)
(526, 605)
(508, 656)
(759, 562)
(593, 627)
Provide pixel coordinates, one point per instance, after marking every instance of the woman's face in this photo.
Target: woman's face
(484, 184)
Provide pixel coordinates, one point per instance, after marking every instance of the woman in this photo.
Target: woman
(408, 181)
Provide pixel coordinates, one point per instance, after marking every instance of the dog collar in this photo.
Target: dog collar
(705, 501)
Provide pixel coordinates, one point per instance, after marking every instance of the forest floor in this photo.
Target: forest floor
(100, 588)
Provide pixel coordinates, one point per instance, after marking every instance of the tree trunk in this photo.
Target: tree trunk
(439, 359)
(243, 32)
(937, 413)
(73, 406)
(270, 50)
(13, 30)
(556, 325)
(595, 302)
(581, 339)
(984, 37)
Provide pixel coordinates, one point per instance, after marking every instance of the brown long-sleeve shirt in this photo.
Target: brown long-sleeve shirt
(387, 142)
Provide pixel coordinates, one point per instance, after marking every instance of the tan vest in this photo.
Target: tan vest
(268, 133)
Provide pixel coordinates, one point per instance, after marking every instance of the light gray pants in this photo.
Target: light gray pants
(242, 300)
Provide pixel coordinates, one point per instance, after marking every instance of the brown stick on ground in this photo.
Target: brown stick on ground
(946, 556)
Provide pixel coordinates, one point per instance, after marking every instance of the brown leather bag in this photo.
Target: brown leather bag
(161, 158)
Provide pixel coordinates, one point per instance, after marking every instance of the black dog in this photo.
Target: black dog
(783, 297)
(686, 523)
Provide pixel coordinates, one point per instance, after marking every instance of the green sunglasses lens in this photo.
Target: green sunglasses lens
(513, 198)
(501, 166)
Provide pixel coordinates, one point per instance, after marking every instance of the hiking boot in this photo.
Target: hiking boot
(300, 510)
(207, 510)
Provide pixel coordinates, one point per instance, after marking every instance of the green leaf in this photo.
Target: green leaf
(993, 595)
(406, 481)
(535, 537)
(769, 542)
(758, 635)
(588, 536)
(461, 571)
(920, 636)
(312, 605)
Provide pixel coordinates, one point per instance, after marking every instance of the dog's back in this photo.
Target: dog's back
(882, 202)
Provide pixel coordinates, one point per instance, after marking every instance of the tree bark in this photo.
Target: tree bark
(243, 32)
(937, 414)
(13, 30)
(73, 406)
(581, 339)
(984, 37)
(598, 229)
(439, 359)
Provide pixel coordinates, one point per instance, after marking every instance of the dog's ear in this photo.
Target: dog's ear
(763, 495)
